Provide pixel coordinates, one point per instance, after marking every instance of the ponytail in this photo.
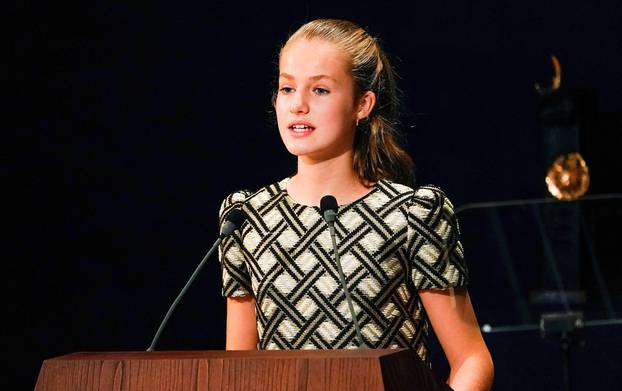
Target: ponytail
(378, 154)
(378, 151)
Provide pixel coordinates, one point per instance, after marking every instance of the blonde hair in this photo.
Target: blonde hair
(377, 151)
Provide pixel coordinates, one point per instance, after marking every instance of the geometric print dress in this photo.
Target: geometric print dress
(392, 242)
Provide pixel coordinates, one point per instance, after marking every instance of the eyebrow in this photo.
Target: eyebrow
(316, 77)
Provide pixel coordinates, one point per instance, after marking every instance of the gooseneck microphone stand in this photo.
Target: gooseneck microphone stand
(234, 220)
(328, 207)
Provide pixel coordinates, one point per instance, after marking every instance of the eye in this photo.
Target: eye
(320, 91)
(286, 90)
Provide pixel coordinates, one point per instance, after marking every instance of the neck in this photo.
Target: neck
(335, 176)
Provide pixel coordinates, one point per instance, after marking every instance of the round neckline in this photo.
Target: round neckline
(291, 201)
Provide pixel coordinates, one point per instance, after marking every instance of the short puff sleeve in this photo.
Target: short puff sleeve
(236, 279)
(434, 247)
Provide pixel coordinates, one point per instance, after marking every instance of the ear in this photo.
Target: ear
(366, 103)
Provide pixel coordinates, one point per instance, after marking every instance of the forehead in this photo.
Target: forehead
(306, 58)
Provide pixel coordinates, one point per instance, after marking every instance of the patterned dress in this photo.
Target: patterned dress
(392, 242)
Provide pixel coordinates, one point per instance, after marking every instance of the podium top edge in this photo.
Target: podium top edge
(231, 354)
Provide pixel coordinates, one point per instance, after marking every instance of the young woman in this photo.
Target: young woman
(398, 245)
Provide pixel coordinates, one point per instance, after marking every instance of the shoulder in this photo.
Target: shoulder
(254, 198)
(432, 207)
(422, 200)
(236, 197)
(391, 195)
(428, 194)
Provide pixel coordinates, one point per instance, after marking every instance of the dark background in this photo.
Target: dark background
(133, 121)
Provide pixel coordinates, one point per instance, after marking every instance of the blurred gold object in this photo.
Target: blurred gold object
(568, 178)
(556, 81)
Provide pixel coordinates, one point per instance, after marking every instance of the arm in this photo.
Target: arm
(453, 320)
(241, 323)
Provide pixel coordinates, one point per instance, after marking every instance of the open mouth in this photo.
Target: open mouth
(301, 128)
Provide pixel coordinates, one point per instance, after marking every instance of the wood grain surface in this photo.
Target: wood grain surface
(364, 369)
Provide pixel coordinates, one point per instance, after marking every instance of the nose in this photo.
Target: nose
(299, 103)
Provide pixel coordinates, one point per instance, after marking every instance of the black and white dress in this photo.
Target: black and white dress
(392, 242)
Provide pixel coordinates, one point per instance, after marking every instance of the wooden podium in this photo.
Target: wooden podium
(361, 369)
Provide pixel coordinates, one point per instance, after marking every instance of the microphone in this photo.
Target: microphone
(233, 221)
(328, 209)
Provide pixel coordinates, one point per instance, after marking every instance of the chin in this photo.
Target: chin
(297, 151)
(297, 148)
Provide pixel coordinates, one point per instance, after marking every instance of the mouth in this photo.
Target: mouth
(301, 129)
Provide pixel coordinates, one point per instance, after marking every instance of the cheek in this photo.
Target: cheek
(281, 118)
(279, 109)
(340, 114)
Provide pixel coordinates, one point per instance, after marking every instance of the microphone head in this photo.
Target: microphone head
(236, 216)
(233, 221)
(328, 208)
(328, 202)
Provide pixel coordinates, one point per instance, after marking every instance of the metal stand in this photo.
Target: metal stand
(567, 328)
